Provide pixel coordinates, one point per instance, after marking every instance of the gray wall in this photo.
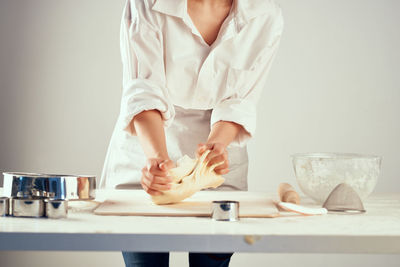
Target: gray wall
(334, 87)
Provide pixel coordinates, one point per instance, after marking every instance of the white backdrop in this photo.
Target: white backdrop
(335, 86)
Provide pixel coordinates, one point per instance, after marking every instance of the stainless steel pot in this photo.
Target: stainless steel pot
(53, 186)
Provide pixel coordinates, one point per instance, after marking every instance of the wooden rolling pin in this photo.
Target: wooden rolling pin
(290, 201)
(287, 194)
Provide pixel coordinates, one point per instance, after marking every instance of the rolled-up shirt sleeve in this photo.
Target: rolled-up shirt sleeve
(241, 106)
(144, 82)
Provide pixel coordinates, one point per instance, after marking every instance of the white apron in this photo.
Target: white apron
(125, 157)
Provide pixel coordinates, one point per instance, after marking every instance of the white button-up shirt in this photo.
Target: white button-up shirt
(169, 67)
(166, 62)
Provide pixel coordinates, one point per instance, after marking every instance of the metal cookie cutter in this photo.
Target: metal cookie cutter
(225, 210)
(4, 206)
(56, 208)
(23, 207)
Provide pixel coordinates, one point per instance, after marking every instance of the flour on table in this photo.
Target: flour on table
(189, 177)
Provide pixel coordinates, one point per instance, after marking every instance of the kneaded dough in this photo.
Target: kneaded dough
(189, 177)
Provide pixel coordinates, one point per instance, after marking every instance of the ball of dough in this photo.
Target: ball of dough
(189, 177)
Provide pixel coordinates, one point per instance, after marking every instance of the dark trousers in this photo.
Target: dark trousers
(135, 259)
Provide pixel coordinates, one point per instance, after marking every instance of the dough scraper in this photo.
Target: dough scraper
(344, 198)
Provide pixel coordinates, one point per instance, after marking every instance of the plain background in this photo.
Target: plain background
(335, 86)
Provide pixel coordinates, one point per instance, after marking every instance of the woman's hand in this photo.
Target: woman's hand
(217, 154)
(221, 135)
(155, 177)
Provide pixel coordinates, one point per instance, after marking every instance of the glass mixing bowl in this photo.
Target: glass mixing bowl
(319, 173)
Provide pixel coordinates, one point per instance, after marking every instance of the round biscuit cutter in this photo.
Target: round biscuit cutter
(4, 206)
(225, 210)
(33, 207)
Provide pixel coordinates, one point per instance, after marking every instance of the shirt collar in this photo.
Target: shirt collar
(176, 8)
(250, 9)
(245, 9)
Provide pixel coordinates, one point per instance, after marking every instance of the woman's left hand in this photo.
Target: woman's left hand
(217, 154)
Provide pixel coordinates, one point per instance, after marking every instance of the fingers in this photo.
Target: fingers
(162, 180)
(221, 171)
(218, 154)
(153, 167)
(149, 190)
(166, 165)
(222, 168)
(155, 177)
(156, 184)
(153, 192)
(215, 151)
(201, 148)
(222, 158)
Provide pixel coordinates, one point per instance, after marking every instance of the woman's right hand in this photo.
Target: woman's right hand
(155, 177)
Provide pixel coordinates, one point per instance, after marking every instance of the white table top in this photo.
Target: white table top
(376, 231)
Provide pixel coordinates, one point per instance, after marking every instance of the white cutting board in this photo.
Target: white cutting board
(138, 203)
